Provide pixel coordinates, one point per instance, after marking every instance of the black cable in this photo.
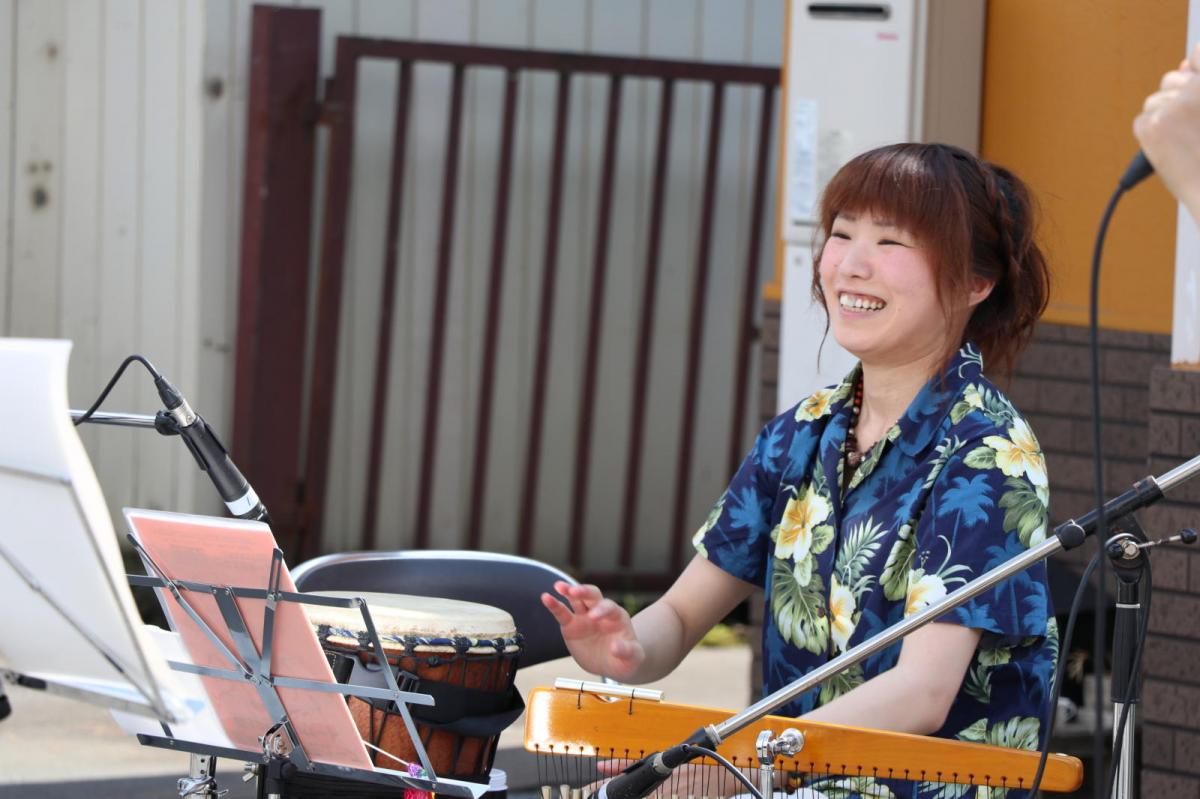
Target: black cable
(1118, 738)
(1099, 638)
(1064, 647)
(734, 770)
(120, 371)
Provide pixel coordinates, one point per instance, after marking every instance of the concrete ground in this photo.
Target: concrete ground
(52, 747)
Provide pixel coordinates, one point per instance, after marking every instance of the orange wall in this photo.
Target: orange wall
(1063, 80)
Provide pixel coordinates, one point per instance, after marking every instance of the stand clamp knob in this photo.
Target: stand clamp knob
(787, 744)
(199, 786)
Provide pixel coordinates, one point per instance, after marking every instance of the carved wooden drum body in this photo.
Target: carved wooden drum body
(462, 653)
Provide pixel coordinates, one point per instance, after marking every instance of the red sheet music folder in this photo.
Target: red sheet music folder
(233, 552)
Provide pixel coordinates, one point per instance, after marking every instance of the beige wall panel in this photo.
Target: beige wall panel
(8, 54)
(120, 132)
(37, 170)
(161, 300)
(82, 172)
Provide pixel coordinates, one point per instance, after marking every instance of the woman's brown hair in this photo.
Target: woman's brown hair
(973, 218)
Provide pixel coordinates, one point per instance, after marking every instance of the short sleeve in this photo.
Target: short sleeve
(986, 505)
(736, 535)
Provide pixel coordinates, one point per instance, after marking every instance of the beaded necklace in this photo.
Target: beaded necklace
(852, 457)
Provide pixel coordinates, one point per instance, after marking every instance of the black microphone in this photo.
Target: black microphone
(647, 774)
(211, 455)
(1138, 170)
(5, 705)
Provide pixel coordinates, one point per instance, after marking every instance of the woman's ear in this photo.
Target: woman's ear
(981, 288)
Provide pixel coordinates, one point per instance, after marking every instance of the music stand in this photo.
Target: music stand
(71, 627)
(228, 595)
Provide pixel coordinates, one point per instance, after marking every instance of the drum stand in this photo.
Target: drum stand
(282, 756)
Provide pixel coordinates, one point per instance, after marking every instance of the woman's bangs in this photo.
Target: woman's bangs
(899, 187)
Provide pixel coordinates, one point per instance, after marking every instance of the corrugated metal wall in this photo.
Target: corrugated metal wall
(100, 150)
(141, 114)
(743, 32)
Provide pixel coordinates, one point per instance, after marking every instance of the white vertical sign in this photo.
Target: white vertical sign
(1185, 329)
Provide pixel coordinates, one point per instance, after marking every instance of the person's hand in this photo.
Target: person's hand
(598, 632)
(1168, 130)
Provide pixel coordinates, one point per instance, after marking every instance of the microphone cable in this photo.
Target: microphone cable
(201, 441)
(113, 382)
(1138, 170)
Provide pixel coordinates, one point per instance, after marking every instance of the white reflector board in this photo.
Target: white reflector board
(69, 624)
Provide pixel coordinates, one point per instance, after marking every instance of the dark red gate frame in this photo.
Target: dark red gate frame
(338, 113)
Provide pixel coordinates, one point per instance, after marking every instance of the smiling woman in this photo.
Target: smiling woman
(873, 499)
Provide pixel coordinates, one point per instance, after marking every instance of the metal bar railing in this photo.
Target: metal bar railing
(751, 282)
(433, 385)
(563, 62)
(387, 303)
(587, 398)
(339, 105)
(641, 369)
(537, 414)
(487, 376)
(687, 419)
(339, 112)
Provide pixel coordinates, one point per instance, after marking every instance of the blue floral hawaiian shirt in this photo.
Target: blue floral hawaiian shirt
(956, 487)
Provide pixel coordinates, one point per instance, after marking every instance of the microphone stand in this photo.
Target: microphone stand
(1067, 535)
(200, 781)
(167, 425)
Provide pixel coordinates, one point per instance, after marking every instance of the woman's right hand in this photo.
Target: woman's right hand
(598, 632)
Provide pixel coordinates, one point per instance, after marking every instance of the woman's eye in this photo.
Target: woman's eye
(838, 234)
(891, 241)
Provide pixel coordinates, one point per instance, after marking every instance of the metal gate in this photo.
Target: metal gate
(300, 512)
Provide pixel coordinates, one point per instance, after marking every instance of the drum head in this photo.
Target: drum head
(406, 618)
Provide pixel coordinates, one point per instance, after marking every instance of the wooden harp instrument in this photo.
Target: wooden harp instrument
(584, 721)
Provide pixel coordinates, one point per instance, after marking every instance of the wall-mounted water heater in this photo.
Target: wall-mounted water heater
(860, 75)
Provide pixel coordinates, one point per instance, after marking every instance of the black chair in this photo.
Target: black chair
(513, 584)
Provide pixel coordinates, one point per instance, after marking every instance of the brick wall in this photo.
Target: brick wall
(1171, 732)
(1051, 387)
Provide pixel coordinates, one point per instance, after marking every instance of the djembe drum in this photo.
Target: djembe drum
(464, 654)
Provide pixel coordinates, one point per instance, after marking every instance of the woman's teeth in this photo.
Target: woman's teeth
(860, 303)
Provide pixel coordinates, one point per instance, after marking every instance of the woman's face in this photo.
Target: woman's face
(881, 294)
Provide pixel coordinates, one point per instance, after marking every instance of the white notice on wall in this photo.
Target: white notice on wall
(802, 178)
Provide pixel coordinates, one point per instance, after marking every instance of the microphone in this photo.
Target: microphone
(5, 705)
(210, 454)
(1138, 170)
(647, 774)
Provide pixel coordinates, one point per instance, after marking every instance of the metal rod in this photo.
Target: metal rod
(633, 455)
(491, 326)
(884, 639)
(1123, 788)
(533, 453)
(1132, 500)
(387, 305)
(587, 394)
(118, 419)
(558, 61)
(339, 105)
(751, 283)
(441, 295)
(1180, 474)
(687, 418)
